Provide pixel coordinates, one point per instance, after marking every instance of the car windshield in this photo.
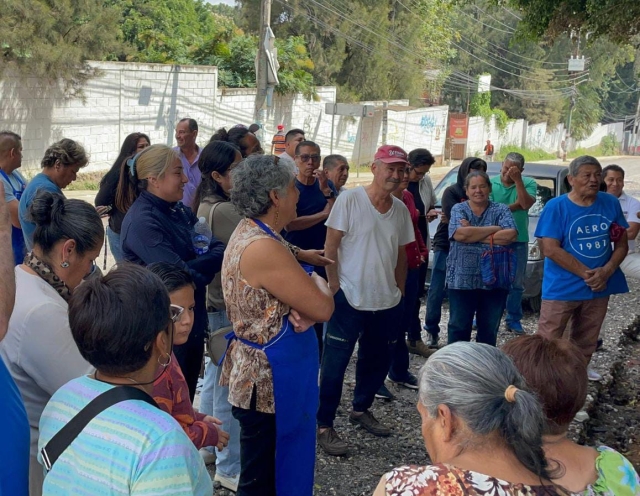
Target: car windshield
(545, 190)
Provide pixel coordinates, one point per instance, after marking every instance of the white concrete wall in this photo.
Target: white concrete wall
(600, 131)
(357, 138)
(127, 97)
(419, 128)
(480, 131)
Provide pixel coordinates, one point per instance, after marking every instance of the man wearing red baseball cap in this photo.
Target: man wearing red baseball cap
(367, 230)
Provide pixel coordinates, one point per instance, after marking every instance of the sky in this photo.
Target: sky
(228, 2)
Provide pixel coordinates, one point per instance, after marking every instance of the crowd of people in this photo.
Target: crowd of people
(276, 257)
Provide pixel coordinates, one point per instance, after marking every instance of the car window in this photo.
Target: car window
(446, 181)
(545, 190)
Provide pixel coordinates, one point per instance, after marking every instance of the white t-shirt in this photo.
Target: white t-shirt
(630, 208)
(39, 349)
(368, 252)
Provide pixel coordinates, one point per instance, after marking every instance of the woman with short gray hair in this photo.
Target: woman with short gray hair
(271, 365)
(482, 429)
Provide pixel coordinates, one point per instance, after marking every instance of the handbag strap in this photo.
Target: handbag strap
(65, 436)
(211, 211)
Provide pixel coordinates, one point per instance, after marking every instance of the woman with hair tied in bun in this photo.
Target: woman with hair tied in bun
(482, 429)
(240, 137)
(60, 166)
(159, 228)
(39, 349)
(123, 324)
(555, 371)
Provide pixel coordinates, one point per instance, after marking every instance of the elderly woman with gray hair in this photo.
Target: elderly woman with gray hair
(482, 429)
(271, 365)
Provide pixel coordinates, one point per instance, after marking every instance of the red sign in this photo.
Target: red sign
(458, 126)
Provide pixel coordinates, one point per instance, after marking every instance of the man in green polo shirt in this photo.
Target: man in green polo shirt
(519, 194)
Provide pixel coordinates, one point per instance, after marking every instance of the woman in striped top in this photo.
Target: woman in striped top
(122, 325)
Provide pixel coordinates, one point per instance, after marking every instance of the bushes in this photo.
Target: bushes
(534, 155)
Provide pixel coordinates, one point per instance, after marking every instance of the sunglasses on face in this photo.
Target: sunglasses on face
(305, 157)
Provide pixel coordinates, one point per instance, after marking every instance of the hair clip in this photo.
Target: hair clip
(131, 163)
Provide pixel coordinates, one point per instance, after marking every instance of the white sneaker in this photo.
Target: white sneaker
(230, 483)
(208, 456)
(593, 375)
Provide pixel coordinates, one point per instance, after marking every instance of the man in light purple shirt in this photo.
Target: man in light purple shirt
(189, 153)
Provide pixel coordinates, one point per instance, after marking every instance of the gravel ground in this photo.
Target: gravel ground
(612, 406)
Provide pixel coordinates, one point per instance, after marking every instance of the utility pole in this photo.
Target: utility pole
(574, 65)
(636, 128)
(261, 76)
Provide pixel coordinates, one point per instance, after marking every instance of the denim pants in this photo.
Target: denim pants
(376, 333)
(487, 305)
(436, 293)
(214, 401)
(400, 361)
(514, 300)
(115, 245)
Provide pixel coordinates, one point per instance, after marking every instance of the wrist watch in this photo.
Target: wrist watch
(330, 195)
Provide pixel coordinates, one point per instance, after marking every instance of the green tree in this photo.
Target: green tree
(616, 20)
(53, 39)
(163, 31)
(369, 49)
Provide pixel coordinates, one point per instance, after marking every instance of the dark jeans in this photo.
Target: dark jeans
(400, 361)
(487, 305)
(414, 328)
(376, 332)
(318, 327)
(257, 451)
(436, 293)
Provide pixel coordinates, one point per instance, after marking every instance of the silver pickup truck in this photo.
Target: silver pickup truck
(552, 182)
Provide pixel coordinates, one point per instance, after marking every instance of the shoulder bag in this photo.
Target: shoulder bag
(216, 340)
(498, 266)
(65, 436)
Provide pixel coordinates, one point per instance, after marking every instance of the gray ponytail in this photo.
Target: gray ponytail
(471, 379)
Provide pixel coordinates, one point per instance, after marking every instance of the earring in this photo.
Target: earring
(64, 264)
(275, 222)
(164, 364)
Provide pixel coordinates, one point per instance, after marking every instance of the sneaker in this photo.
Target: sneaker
(331, 443)
(600, 345)
(593, 375)
(419, 348)
(432, 342)
(514, 327)
(384, 394)
(409, 381)
(369, 423)
(208, 457)
(230, 483)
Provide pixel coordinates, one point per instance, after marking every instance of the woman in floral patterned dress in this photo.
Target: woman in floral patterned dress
(556, 372)
(482, 430)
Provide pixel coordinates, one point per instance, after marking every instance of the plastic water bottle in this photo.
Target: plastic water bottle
(201, 236)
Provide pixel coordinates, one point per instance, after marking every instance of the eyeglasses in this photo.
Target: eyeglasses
(417, 172)
(305, 157)
(176, 312)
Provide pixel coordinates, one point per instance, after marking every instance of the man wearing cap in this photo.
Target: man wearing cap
(367, 230)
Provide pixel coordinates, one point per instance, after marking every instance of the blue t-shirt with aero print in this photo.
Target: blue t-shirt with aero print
(584, 233)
